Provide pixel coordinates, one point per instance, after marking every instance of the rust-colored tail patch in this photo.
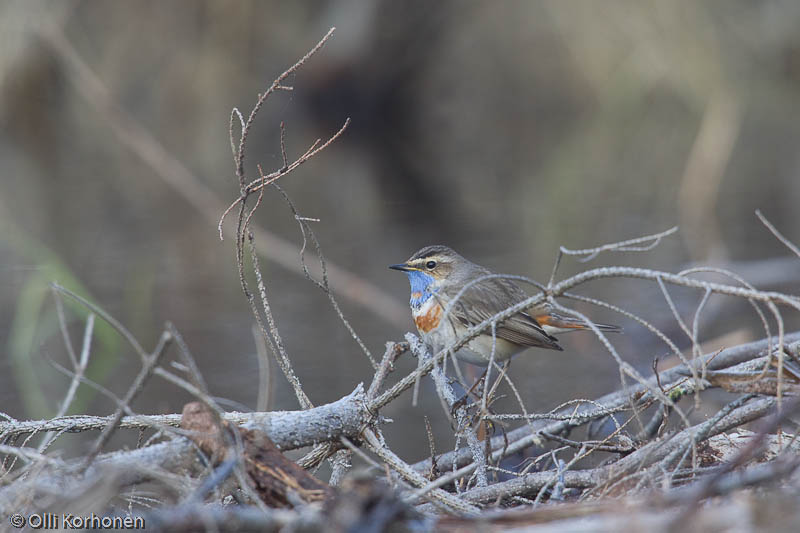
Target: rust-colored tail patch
(559, 322)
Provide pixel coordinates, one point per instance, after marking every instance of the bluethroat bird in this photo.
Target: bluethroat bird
(437, 274)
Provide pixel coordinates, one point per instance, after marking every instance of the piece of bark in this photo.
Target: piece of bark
(277, 480)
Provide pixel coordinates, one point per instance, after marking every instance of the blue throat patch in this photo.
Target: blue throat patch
(420, 287)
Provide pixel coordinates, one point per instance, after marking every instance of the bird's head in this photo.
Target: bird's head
(429, 269)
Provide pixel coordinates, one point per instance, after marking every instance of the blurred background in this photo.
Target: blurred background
(504, 130)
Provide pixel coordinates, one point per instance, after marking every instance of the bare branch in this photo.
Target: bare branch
(778, 235)
(176, 175)
(276, 85)
(136, 387)
(623, 246)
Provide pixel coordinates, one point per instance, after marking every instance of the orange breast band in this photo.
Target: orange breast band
(430, 320)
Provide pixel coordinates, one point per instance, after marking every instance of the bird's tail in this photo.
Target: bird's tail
(554, 323)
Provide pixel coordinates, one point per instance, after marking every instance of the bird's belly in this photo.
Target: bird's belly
(479, 350)
(438, 333)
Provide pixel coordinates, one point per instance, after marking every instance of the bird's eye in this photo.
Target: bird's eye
(430, 265)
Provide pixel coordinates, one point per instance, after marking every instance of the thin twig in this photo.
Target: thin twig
(305, 229)
(778, 235)
(80, 369)
(438, 496)
(276, 85)
(136, 387)
(622, 246)
(113, 322)
(282, 357)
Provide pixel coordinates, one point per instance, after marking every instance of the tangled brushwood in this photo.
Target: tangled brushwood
(642, 459)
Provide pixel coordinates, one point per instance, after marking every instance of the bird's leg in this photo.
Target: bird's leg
(487, 427)
(474, 390)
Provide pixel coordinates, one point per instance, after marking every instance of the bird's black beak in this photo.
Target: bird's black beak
(402, 267)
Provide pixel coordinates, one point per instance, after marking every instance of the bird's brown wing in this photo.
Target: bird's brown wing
(489, 297)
